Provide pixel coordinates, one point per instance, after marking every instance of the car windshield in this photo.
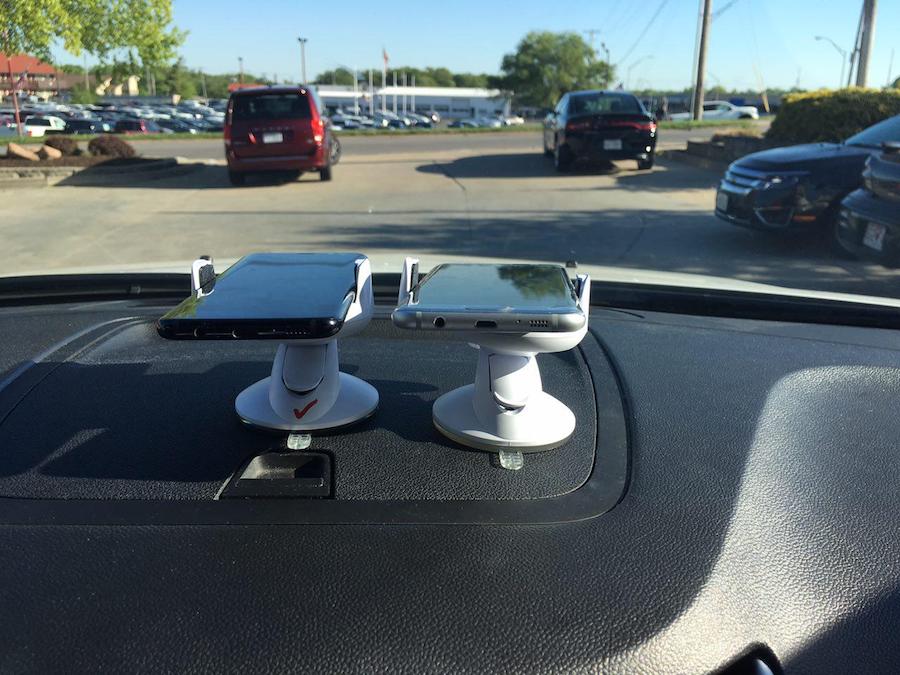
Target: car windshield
(604, 104)
(883, 132)
(271, 107)
(622, 140)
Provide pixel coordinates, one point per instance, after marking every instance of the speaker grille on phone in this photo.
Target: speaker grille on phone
(539, 323)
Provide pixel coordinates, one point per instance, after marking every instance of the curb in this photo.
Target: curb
(24, 177)
(700, 162)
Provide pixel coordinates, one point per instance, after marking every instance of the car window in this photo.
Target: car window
(874, 136)
(710, 107)
(604, 103)
(271, 107)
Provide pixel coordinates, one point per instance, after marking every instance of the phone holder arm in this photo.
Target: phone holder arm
(203, 276)
(408, 278)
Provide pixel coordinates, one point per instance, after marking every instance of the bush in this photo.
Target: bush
(110, 146)
(827, 115)
(67, 146)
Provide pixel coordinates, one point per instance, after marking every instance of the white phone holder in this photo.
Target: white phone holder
(506, 408)
(306, 391)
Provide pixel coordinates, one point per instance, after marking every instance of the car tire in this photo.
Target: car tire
(325, 173)
(237, 179)
(562, 158)
(646, 164)
(335, 151)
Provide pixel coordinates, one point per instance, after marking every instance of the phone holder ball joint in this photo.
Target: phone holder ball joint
(306, 390)
(506, 409)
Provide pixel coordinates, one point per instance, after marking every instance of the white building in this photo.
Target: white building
(448, 102)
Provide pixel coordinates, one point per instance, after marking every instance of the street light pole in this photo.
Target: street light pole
(302, 41)
(842, 52)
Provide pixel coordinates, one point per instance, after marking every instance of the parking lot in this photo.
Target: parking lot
(485, 195)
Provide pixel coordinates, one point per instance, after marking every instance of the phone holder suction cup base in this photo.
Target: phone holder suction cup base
(306, 392)
(505, 408)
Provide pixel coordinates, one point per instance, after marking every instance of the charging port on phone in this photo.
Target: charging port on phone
(485, 324)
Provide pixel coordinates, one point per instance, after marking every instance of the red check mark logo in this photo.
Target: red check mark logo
(300, 413)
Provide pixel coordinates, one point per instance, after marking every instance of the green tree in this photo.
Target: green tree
(97, 26)
(341, 76)
(546, 65)
(81, 95)
(470, 80)
(177, 79)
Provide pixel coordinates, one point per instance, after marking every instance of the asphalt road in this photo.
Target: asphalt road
(404, 143)
(468, 197)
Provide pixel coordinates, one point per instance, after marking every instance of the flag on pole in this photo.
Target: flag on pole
(384, 55)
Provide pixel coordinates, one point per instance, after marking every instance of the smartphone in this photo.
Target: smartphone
(502, 298)
(269, 296)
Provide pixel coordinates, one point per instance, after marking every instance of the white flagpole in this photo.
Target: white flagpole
(404, 94)
(413, 93)
(395, 92)
(355, 91)
(371, 94)
(383, 80)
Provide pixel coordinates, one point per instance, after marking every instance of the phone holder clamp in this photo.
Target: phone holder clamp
(506, 409)
(306, 391)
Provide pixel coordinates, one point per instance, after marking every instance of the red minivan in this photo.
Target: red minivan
(276, 129)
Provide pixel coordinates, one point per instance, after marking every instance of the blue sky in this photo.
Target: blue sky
(774, 38)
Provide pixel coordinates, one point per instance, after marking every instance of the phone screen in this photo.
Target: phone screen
(267, 294)
(543, 288)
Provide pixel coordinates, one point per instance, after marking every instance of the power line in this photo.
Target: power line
(647, 26)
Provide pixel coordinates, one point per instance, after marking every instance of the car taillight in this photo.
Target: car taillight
(318, 126)
(640, 126)
(579, 125)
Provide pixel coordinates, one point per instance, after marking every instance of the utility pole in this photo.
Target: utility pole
(302, 41)
(203, 84)
(240, 70)
(865, 42)
(608, 65)
(701, 60)
(87, 83)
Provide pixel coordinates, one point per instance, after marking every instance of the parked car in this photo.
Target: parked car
(276, 128)
(513, 120)
(44, 125)
(868, 223)
(80, 126)
(177, 126)
(722, 110)
(464, 124)
(599, 125)
(800, 186)
(136, 126)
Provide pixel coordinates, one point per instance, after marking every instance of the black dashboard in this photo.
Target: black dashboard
(730, 492)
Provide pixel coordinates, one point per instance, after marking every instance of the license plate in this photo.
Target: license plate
(273, 137)
(874, 236)
(612, 144)
(721, 201)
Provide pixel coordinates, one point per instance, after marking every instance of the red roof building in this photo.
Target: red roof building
(39, 77)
